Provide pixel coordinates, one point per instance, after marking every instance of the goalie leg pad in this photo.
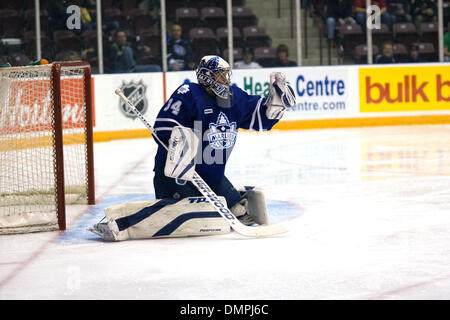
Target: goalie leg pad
(191, 216)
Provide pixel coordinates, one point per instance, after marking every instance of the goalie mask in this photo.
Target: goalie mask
(214, 73)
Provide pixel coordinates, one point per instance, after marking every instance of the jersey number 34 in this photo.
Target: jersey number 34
(174, 107)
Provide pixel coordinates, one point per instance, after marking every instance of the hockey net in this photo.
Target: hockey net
(46, 152)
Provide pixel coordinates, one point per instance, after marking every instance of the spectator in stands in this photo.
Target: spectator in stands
(282, 59)
(360, 9)
(423, 11)
(123, 56)
(447, 46)
(247, 61)
(387, 54)
(414, 55)
(88, 15)
(400, 11)
(88, 53)
(338, 11)
(179, 51)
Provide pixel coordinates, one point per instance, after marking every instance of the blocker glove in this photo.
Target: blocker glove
(183, 146)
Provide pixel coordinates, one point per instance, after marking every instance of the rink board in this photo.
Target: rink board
(327, 96)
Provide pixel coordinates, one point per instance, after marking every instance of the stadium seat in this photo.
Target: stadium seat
(200, 4)
(12, 25)
(204, 42)
(129, 5)
(256, 37)
(30, 22)
(428, 51)
(222, 37)
(15, 5)
(351, 36)
(429, 33)
(108, 3)
(5, 12)
(114, 14)
(222, 4)
(171, 8)
(265, 56)
(240, 3)
(138, 19)
(188, 18)
(405, 33)
(90, 39)
(214, 17)
(237, 54)
(151, 38)
(30, 45)
(401, 52)
(66, 40)
(381, 35)
(149, 58)
(244, 17)
(360, 54)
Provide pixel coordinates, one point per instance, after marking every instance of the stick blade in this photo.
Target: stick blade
(260, 231)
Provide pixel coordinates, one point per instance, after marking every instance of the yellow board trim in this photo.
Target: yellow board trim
(361, 122)
(302, 125)
(104, 136)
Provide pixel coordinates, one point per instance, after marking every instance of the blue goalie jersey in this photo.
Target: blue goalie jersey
(217, 127)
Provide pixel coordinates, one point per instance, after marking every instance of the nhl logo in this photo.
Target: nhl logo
(222, 134)
(135, 92)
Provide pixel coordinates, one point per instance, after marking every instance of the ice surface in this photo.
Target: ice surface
(368, 210)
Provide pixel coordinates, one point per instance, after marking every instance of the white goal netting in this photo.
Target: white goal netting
(29, 168)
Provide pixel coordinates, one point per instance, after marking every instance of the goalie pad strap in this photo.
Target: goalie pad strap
(129, 221)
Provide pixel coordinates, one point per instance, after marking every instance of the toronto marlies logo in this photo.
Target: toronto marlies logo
(222, 134)
(136, 94)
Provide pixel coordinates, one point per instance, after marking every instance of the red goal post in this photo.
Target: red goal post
(46, 145)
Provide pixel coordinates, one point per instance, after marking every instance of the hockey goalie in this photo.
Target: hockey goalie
(196, 130)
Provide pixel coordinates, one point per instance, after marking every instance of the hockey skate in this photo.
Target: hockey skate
(103, 231)
(240, 211)
(246, 219)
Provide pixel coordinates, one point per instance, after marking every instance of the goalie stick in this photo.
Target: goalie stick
(213, 199)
